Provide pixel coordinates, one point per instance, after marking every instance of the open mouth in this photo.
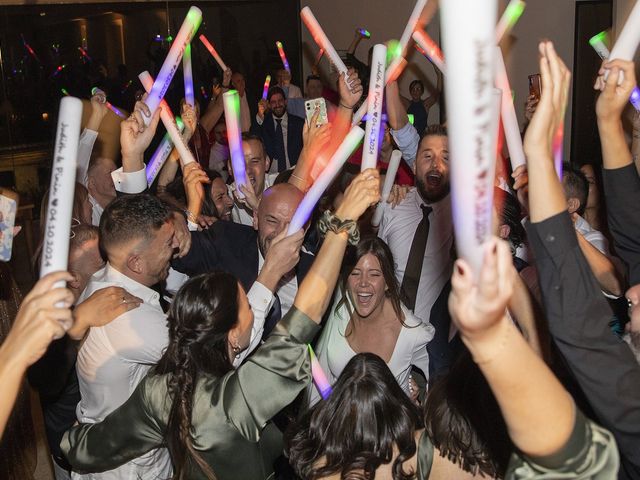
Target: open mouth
(364, 299)
(434, 179)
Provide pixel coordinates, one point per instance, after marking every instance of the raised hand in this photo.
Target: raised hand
(101, 308)
(135, 136)
(250, 199)
(98, 110)
(363, 192)
(614, 97)
(263, 107)
(193, 180)
(478, 306)
(349, 88)
(283, 255)
(190, 119)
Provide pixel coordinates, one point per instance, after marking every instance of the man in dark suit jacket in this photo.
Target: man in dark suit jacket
(242, 250)
(280, 131)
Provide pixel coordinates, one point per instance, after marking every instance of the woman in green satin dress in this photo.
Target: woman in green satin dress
(214, 419)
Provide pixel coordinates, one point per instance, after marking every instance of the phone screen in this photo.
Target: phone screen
(8, 210)
(535, 86)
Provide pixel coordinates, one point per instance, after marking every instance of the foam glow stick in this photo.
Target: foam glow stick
(319, 377)
(430, 49)
(412, 24)
(187, 31)
(321, 39)
(319, 56)
(186, 157)
(283, 57)
(231, 102)
(508, 114)
(374, 107)
(55, 247)
(95, 90)
(339, 158)
(389, 178)
(265, 88)
(509, 18)
(471, 107)
(187, 73)
(203, 92)
(557, 150)
(84, 53)
(58, 70)
(64, 91)
(213, 52)
(29, 49)
(599, 44)
(161, 154)
(629, 38)
(364, 33)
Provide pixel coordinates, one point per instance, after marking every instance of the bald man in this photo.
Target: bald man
(247, 251)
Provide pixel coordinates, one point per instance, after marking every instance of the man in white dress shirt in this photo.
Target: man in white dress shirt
(137, 235)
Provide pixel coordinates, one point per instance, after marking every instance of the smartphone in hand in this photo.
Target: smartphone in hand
(535, 85)
(311, 106)
(8, 210)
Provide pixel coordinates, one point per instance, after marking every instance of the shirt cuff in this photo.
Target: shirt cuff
(259, 120)
(299, 325)
(260, 298)
(552, 237)
(129, 182)
(193, 227)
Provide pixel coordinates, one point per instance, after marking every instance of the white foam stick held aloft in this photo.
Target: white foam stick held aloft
(339, 158)
(231, 102)
(171, 62)
(374, 110)
(412, 24)
(389, 179)
(430, 49)
(321, 39)
(161, 154)
(469, 35)
(629, 38)
(188, 76)
(508, 114)
(55, 244)
(186, 157)
(213, 52)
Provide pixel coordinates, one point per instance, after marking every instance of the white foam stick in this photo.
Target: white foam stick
(55, 246)
(186, 157)
(497, 97)
(509, 18)
(374, 110)
(411, 25)
(629, 38)
(389, 179)
(468, 30)
(508, 114)
(339, 158)
(322, 40)
(161, 154)
(213, 52)
(183, 38)
(430, 49)
(187, 72)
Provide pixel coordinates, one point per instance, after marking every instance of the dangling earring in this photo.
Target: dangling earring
(236, 350)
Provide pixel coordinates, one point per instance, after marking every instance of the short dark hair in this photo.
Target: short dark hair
(436, 129)
(131, 217)
(509, 214)
(575, 185)
(80, 234)
(313, 77)
(416, 82)
(273, 91)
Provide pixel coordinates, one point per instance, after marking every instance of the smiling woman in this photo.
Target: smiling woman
(368, 316)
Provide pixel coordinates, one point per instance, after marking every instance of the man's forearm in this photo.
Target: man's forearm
(615, 153)
(396, 111)
(602, 268)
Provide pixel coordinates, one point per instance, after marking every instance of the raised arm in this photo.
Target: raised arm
(431, 100)
(577, 312)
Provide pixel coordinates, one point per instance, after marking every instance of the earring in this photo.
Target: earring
(236, 350)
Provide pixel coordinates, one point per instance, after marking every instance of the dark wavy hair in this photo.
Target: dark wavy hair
(356, 429)
(379, 249)
(201, 315)
(464, 422)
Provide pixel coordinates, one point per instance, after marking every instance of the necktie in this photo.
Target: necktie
(273, 317)
(412, 272)
(280, 152)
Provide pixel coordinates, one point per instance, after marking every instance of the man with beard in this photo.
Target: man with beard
(280, 131)
(419, 230)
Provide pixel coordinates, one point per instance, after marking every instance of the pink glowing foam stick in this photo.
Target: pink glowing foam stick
(265, 88)
(322, 40)
(188, 76)
(468, 30)
(430, 49)
(508, 114)
(186, 157)
(339, 158)
(231, 102)
(374, 107)
(213, 52)
(283, 57)
(55, 247)
(319, 377)
(171, 62)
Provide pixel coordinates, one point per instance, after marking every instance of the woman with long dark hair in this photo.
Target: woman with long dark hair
(214, 419)
(369, 317)
(367, 429)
